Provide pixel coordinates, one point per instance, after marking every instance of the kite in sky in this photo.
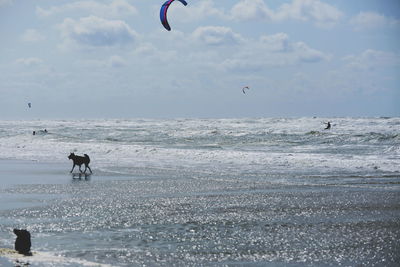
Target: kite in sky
(245, 88)
(163, 13)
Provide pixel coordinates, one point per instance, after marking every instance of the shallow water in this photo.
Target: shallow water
(205, 221)
(209, 192)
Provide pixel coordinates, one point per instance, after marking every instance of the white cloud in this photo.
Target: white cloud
(320, 13)
(372, 59)
(197, 11)
(29, 62)
(97, 32)
(273, 51)
(277, 42)
(314, 10)
(114, 61)
(115, 9)
(32, 35)
(304, 53)
(251, 10)
(150, 53)
(371, 21)
(216, 35)
(145, 49)
(366, 72)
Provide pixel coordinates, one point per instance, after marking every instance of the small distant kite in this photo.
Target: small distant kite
(29, 105)
(163, 13)
(244, 89)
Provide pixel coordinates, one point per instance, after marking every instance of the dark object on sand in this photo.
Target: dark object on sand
(23, 241)
(33, 133)
(79, 160)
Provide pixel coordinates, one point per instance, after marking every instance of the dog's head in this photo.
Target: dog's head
(23, 241)
(71, 156)
(22, 233)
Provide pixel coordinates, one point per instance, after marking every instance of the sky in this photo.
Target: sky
(114, 59)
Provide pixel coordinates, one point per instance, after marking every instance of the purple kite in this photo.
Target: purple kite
(163, 13)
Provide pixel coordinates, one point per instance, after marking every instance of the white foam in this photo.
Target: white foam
(242, 145)
(45, 259)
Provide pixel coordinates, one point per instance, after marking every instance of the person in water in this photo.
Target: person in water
(40, 132)
(328, 125)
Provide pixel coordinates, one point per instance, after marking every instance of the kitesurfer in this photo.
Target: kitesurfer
(328, 125)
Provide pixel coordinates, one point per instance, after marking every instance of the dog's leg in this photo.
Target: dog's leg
(80, 168)
(88, 168)
(73, 166)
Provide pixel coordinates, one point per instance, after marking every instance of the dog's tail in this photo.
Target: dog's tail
(87, 157)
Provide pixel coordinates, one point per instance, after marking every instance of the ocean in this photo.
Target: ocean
(190, 192)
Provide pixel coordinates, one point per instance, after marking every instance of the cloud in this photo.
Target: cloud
(29, 62)
(251, 10)
(216, 35)
(97, 32)
(197, 11)
(146, 49)
(372, 21)
(367, 72)
(305, 54)
(298, 51)
(277, 42)
(310, 10)
(320, 13)
(372, 59)
(150, 53)
(113, 61)
(115, 9)
(32, 36)
(272, 51)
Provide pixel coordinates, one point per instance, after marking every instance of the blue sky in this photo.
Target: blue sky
(114, 59)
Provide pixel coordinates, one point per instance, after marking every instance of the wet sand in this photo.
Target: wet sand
(17, 172)
(199, 220)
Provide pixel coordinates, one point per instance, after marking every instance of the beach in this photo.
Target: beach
(195, 192)
(134, 221)
(214, 132)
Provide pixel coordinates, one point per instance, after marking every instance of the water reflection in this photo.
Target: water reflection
(81, 176)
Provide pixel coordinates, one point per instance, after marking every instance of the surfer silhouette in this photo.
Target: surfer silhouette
(328, 125)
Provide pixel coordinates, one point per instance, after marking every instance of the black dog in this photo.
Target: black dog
(23, 242)
(78, 160)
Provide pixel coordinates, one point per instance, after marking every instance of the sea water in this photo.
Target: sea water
(275, 191)
(353, 146)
